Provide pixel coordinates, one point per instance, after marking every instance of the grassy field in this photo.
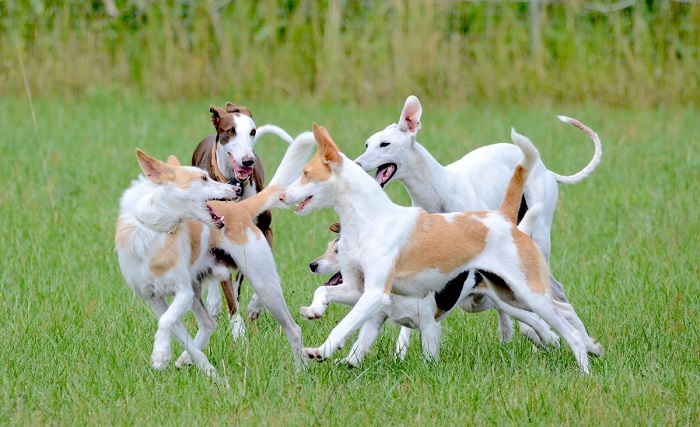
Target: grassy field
(77, 342)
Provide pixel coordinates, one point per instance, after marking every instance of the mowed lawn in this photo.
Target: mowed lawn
(77, 342)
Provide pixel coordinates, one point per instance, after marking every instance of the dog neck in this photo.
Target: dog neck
(154, 215)
(427, 183)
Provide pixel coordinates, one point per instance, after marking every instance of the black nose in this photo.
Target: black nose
(313, 266)
(248, 163)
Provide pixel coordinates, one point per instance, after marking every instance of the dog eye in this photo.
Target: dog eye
(231, 131)
(366, 145)
(204, 178)
(384, 144)
(252, 132)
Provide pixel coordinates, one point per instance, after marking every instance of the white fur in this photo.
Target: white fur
(375, 231)
(477, 181)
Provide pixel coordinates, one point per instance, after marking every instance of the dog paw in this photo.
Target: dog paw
(349, 362)
(595, 348)
(255, 308)
(237, 327)
(314, 354)
(183, 360)
(160, 359)
(214, 303)
(311, 313)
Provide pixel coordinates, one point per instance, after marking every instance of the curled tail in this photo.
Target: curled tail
(590, 167)
(514, 192)
(275, 130)
(287, 172)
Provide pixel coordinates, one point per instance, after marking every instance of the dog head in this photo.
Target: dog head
(329, 263)
(388, 149)
(186, 189)
(314, 189)
(235, 134)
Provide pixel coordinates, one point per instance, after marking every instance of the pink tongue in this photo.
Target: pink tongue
(383, 174)
(242, 172)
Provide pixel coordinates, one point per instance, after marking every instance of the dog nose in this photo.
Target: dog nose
(282, 198)
(248, 162)
(313, 266)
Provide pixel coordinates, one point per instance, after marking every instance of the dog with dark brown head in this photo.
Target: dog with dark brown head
(229, 156)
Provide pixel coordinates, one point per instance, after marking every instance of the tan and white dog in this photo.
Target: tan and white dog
(172, 235)
(423, 314)
(389, 250)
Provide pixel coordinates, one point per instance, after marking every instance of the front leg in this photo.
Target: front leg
(368, 335)
(370, 304)
(348, 292)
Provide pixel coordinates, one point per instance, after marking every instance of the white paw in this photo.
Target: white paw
(350, 362)
(237, 327)
(183, 360)
(314, 354)
(255, 308)
(160, 359)
(311, 313)
(594, 347)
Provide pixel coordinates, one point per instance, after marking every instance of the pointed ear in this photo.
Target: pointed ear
(326, 147)
(410, 116)
(172, 161)
(335, 227)
(233, 108)
(216, 114)
(155, 170)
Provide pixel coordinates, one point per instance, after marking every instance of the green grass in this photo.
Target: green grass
(77, 342)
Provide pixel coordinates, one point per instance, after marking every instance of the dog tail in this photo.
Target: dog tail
(287, 172)
(583, 173)
(514, 192)
(275, 130)
(527, 224)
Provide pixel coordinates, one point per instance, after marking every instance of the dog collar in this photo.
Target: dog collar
(218, 175)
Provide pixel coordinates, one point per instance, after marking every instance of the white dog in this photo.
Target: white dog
(389, 250)
(171, 236)
(475, 182)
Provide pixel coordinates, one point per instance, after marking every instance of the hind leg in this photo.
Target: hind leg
(402, 343)
(566, 310)
(365, 339)
(235, 319)
(206, 324)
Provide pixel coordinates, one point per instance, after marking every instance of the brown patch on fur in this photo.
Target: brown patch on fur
(183, 178)
(124, 231)
(514, 194)
(166, 257)
(195, 229)
(316, 170)
(335, 227)
(437, 243)
(532, 262)
(327, 149)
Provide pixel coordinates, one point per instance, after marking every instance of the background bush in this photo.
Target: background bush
(356, 51)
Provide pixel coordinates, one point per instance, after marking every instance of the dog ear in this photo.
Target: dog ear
(155, 170)
(410, 116)
(233, 108)
(216, 114)
(173, 161)
(326, 147)
(335, 227)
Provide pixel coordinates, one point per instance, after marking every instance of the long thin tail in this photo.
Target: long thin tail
(514, 192)
(287, 172)
(578, 177)
(275, 130)
(527, 224)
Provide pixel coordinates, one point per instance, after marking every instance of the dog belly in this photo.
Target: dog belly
(421, 284)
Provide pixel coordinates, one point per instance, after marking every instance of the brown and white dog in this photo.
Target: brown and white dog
(389, 250)
(228, 156)
(172, 236)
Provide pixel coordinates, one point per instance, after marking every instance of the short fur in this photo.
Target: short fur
(387, 249)
(227, 157)
(476, 181)
(164, 249)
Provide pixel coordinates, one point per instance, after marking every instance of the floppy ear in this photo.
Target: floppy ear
(233, 108)
(335, 227)
(172, 161)
(155, 170)
(410, 116)
(216, 114)
(326, 147)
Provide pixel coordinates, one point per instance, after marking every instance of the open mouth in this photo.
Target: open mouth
(242, 172)
(385, 173)
(303, 204)
(335, 280)
(216, 219)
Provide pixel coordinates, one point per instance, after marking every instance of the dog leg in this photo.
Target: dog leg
(168, 316)
(235, 320)
(206, 324)
(365, 339)
(346, 293)
(430, 340)
(402, 343)
(505, 326)
(255, 307)
(213, 297)
(565, 309)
